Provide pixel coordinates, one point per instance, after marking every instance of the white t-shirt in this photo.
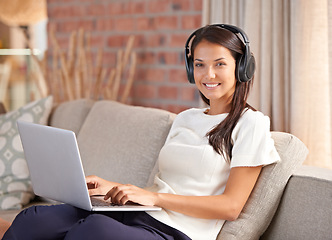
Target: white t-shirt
(188, 164)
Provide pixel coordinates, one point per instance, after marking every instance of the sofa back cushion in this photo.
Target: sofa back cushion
(121, 143)
(71, 115)
(265, 197)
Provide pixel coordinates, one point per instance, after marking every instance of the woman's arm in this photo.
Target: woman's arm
(226, 206)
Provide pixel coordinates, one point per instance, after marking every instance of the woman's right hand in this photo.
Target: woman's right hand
(98, 186)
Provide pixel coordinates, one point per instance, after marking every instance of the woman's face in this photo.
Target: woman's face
(214, 72)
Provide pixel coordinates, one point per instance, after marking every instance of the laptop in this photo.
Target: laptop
(56, 169)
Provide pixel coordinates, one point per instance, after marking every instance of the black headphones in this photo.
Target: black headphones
(245, 66)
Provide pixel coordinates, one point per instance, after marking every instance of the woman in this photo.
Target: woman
(207, 168)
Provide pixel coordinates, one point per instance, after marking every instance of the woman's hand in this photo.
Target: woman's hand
(119, 193)
(123, 193)
(98, 186)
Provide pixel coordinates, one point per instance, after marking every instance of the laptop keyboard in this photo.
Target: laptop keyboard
(101, 203)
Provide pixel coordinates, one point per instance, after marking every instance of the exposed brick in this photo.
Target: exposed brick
(146, 57)
(160, 27)
(191, 21)
(168, 58)
(178, 75)
(145, 91)
(117, 41)
(71, 26)
(197, 5)
(117, 8)
(167, 92)
(159, 6)
(158, 39)
(145, 24)
(137, 7)
(104, 24)
(109, 59)
(61, 12)
(96, 41)
(51, 2)
(180, 5)
(151, 74)
(124, 24)
(140, 41)
(167, 22)
(179, 40)
(189, 94)
(175, 108)
(96, 9)
(146, 103)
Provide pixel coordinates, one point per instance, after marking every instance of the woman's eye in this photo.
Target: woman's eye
(220, 64)
(198, 64)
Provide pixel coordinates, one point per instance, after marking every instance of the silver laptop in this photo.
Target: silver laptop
(56, 169)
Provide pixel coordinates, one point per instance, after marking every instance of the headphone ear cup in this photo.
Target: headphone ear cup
(250, 68)
(246, 68)
(190, 69)
(239, 70)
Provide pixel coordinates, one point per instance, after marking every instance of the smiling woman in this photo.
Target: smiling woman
(208, 165)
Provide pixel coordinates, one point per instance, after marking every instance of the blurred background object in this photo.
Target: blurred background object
(22, 12)
(20, 19)
(28, 72)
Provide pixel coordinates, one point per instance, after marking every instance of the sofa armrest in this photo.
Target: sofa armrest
(265, 197)
(305, 210)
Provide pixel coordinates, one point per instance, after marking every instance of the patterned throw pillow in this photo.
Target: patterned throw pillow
(15, 185)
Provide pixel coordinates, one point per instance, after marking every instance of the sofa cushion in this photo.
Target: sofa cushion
(265, 197)
(121, 143)
(305, 210)
(71, 115)
(15, 185)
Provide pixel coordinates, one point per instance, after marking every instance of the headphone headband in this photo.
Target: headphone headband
(245, 66)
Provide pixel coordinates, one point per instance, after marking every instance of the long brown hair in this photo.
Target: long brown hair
(220, 137)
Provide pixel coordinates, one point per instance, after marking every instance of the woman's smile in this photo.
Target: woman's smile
(211, 85)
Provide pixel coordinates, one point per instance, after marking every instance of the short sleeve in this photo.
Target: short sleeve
(252, 142)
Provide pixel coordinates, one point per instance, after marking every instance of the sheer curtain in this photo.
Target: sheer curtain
(290, 40)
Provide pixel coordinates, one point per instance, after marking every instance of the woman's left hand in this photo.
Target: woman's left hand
(123, 193)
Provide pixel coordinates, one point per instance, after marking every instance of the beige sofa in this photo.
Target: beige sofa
(121, 143)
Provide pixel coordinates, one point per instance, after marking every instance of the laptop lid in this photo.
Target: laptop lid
(55, 166)
(53, 160)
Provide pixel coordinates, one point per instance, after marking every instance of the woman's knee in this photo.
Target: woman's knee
(38, 222)
(25, 223)
(28, 215)
(44, 214)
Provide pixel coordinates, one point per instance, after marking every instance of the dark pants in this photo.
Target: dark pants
(67, 222)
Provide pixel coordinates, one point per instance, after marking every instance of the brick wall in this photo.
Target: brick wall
(160, 27)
